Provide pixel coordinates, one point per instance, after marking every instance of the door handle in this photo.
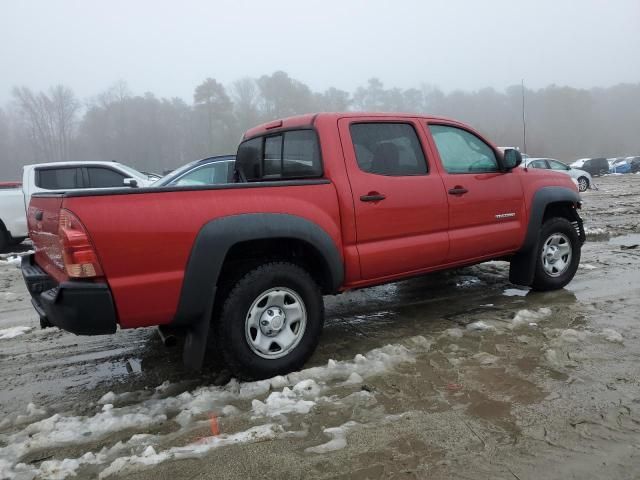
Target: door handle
(39, 214)
(458, 190)
(372, 197)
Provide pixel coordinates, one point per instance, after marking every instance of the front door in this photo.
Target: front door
(486, 207)
(399, 199)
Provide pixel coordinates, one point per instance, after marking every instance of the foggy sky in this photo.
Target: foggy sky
(169, 47)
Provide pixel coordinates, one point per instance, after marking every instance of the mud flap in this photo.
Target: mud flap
(523, 267)
(197, 339)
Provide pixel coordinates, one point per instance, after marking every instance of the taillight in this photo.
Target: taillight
(79, 257)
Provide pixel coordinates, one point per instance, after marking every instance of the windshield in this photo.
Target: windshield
(171, 177)
(174, 174)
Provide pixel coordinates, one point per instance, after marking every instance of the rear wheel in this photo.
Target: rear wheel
(270, 322)
(583, 184)
(557, 256)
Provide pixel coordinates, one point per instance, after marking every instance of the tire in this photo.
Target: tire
(253, 333)
(583, 184)
(557, 255)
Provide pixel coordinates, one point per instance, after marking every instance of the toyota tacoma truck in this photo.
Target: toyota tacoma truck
(320, 204)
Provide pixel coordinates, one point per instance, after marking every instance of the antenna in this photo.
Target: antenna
(524, 122)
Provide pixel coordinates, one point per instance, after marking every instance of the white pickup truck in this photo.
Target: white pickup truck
(46, 177)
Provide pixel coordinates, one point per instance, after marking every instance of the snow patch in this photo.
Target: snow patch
(479, 326)
(14, 258)
(454, 332)
(375, 362)
(596, 232)
(109, 397)
(13, 332)
(288, 401)
(485, 358)
(611, 335)
(149, 457)
(32, 413)
(572, 336)
(515, 292)
(529, 317)
(338, 440)
(354, 379)
(300, 392)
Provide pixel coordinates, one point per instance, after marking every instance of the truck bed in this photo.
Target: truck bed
(143, 237)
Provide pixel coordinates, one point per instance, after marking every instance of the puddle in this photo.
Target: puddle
(626, 240)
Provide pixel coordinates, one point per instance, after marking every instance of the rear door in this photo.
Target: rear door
(486, 207)
(399, 199)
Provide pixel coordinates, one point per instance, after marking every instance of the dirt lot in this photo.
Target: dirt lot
(454, 375)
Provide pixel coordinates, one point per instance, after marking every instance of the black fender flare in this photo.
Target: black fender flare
(215, 239)
(523, 263)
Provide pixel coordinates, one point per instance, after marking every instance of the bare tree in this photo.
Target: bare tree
(50, 118)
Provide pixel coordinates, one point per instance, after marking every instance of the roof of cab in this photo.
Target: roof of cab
(308, 120)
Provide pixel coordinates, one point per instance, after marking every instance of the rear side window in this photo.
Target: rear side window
(557, 165)
(288, 155)
(57, 178)
(388, 149)
(105, 178)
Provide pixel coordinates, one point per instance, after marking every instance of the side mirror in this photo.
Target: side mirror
(511, 159)
(130, 182)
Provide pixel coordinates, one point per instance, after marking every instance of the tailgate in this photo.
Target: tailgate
(42, 219)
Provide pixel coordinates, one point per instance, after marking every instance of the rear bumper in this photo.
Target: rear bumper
(83, 308)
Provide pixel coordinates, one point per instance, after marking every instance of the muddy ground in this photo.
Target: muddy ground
(454, 375)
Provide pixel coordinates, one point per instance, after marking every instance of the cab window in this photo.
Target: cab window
(391, 149)
(287, 155)
(463, 152)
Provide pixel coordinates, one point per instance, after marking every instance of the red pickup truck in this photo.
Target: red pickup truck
(321, 204)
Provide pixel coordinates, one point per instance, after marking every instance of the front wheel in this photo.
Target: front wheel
(270, 322)
(557, 255)
(583, 184)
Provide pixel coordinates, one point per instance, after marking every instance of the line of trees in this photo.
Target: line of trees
(156, 134)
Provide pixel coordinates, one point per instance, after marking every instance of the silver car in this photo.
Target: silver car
(582, 178)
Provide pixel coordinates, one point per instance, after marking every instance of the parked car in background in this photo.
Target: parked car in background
(619, 165)
(635, 164)
(13, 225)
(582, 178)
(595, 166)
(208, 171)
(57, 177)
(154, 177)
